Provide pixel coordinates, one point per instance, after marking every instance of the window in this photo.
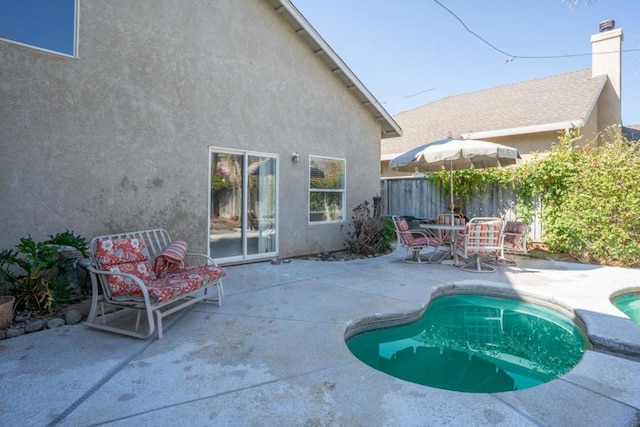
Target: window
(43, 24)
(327, 189)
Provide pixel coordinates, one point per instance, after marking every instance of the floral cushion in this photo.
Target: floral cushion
(173, 285)
(169, 287)
(130, 256)
(126, 286)
(171, 259)
(118, 251)
(209, 273)
(124, 255)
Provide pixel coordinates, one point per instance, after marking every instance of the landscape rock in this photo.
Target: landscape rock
(15, 332)
(35, 326)
(55, 323)
(73, 317)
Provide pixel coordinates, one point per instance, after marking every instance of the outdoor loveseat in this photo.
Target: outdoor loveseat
(146, 272)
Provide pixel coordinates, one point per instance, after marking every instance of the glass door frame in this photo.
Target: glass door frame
(245, 219)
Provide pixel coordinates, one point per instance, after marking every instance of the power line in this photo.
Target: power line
(511, 56)
(469, 30)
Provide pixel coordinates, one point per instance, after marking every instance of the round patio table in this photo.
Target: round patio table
(444, 231)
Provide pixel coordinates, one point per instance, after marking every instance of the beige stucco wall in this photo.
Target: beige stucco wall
(118, 138)
(606, 59)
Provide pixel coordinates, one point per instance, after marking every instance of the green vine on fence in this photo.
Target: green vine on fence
(588, 188)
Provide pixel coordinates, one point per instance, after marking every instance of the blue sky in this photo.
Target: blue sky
(412, 52)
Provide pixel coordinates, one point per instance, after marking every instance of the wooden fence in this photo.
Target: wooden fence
(417, 197)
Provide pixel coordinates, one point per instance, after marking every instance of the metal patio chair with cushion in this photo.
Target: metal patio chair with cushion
(514, 239)
(482, 237)
(415, 241)
(410, 220)
(445, 219)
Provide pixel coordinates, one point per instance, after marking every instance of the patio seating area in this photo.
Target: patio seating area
(482, 241)
(275, 351)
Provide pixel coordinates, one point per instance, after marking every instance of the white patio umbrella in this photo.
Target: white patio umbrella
(454, 154)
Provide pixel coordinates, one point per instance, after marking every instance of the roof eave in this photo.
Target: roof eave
(545, 127)
(389, 127)
(523, 130)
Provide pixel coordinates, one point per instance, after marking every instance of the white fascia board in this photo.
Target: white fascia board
(384, 157)
(525, 130)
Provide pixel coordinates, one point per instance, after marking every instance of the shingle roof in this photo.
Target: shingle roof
(632, 132)
(555, 99)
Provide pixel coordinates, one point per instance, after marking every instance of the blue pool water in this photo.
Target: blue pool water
(629, 304)
(476, 344)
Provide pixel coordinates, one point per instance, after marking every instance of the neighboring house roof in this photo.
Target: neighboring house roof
(548, 103)
(632, 132)
(304, 29)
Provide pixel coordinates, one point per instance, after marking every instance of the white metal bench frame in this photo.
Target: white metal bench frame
(156, 241)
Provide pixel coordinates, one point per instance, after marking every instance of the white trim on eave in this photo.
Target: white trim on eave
(385, 157)
(509, 132)
(525, 129)
(389, 127)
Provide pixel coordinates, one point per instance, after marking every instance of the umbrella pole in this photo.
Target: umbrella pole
(451, 205)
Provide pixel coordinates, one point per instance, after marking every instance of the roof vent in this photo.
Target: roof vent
(607, 25)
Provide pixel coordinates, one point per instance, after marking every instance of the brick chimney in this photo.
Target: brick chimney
(606, 59)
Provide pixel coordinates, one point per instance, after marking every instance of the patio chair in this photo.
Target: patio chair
(415, 241)
(483, 237)
(409, 220)
(445, 219)
(514, 239)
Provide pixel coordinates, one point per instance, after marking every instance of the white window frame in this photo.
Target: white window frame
(342, 191)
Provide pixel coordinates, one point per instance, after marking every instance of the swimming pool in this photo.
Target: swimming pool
(629, 304)
(476, 344)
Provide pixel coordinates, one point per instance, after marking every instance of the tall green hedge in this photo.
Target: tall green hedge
(597, 212)
(589, 189)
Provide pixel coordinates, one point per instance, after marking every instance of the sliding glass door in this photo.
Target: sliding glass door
(242, 205)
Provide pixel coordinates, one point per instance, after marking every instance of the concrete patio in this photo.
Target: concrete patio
(275, 354)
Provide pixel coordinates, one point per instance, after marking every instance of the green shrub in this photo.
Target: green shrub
(387, 235)
(596, 214)
(369, 233)
(588, 190)
(30, 272)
